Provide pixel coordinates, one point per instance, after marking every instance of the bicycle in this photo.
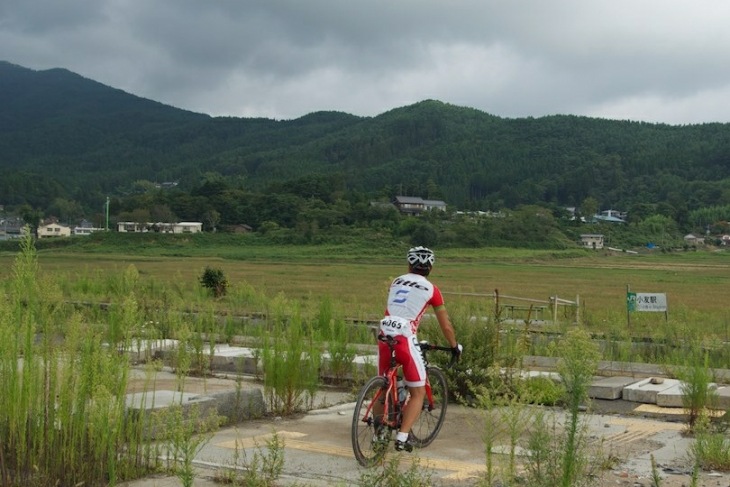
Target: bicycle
(371, 435)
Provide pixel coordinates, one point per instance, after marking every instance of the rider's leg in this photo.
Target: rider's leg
(412, 409)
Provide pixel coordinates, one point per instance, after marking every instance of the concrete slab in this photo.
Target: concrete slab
(646, 390)
(673, 396)
(630, 369)
(610, 388)
(241, 360)
(365, 364)
(161, 399)
(529, 374)
(235, 399)
(365, 359)
(723, 398)
(155, 409)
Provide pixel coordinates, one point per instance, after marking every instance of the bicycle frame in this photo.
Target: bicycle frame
(389, 396)
(378, 411)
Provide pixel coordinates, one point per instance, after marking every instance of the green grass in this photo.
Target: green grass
(356, 275)
(308, 289)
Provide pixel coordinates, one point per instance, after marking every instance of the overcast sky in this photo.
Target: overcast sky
(651, 60)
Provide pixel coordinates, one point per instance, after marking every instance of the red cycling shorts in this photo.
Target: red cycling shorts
(409, 355)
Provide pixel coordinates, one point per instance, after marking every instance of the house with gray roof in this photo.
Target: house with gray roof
(415, 205)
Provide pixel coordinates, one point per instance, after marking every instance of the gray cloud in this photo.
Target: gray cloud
(654, 60)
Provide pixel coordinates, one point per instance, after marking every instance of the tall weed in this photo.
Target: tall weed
(578, 361)
(698, 394)
(187, 433)
(711, 448)
(63, 412)
(291, 363)
(262, 469)
(391, 473)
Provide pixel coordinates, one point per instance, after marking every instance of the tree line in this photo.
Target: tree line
(69, 143)
(319, 209)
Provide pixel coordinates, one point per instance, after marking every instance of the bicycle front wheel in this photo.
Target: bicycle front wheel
(370, 437)
(432, 415)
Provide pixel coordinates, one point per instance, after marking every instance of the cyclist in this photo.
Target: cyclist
(408, 298)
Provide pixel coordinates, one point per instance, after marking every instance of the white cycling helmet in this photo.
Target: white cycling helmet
(421, 258)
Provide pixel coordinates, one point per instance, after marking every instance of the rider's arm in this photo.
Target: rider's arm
(445, 323)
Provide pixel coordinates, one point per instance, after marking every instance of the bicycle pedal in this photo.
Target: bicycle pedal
(403, 446)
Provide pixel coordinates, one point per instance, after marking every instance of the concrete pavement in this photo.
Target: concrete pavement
(633, 420)
(317, 449)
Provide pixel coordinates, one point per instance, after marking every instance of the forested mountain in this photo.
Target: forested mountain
(64, 136)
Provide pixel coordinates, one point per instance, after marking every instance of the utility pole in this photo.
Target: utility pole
(106, 212)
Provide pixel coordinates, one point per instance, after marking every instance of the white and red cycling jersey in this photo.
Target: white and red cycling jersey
(408, 298)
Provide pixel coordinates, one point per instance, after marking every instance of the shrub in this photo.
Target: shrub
(542, 390)
(698, 393)
(215, 281)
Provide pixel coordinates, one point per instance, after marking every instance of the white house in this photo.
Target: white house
(592, 241)
(86, 230)
(692, 239)
(187, 227)
(53, 230)
(181, 227)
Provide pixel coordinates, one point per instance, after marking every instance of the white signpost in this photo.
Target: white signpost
(653, 302)
(648, 301)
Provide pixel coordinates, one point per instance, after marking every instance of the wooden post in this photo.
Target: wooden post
(628, 311)
(555, 309)
(496, 305)
(497, 319)
(577, 309)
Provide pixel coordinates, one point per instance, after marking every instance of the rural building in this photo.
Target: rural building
(592, 240)
(610, 216)
(691, 239)
(85, 227)
(86, 230)
(181, 227)
(11, 227)
(415, 205)
(53, 230)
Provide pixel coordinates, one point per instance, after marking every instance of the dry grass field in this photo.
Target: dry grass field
(697, 284)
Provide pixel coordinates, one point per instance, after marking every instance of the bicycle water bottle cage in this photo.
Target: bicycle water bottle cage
(402, 391)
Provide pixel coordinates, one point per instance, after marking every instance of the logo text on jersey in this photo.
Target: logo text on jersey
(404, 282)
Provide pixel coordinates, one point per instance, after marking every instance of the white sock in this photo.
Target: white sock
(402, 437)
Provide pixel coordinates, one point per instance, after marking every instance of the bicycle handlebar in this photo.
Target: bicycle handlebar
(427, 346)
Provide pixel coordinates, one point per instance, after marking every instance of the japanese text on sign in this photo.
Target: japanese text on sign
(646, 301)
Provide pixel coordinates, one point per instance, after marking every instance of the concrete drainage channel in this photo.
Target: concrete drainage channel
(237, 396)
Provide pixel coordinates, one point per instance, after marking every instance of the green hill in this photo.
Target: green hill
(64, 136)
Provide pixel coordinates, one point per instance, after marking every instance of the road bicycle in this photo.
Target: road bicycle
(372, 432)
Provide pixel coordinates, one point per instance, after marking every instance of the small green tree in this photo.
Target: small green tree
(589, 207)
(698, 393)
(215, 281)
(578, 361)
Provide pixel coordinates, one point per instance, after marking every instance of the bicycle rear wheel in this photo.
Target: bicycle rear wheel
(370, 437)
(431, 420)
